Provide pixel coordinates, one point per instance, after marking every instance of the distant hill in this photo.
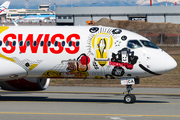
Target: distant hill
(156, 2)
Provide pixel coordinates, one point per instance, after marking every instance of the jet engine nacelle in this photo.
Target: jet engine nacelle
(25, 84)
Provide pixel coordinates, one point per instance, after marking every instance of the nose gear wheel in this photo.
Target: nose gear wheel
(129, 98)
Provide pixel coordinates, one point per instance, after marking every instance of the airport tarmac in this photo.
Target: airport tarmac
(90, 103)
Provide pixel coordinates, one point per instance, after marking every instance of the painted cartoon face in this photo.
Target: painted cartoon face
(124, 56)
(72, 66)
(94, 29)
(116, 31)
(124, 38)
(83, 65)
(118, 71)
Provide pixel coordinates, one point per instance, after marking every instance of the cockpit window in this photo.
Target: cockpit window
(148, 44)
(134, 44)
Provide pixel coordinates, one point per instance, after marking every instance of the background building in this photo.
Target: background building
(44, 7)
(21, 13)
(79, 15)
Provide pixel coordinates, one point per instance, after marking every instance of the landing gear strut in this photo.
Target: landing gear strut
(129, 98)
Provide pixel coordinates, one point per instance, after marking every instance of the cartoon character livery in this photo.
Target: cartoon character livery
(31, 56)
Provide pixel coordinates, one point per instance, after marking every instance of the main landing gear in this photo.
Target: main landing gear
(129, 98)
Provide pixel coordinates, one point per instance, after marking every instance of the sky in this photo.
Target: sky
(33, 4)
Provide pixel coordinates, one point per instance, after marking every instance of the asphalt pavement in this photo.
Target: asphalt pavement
(90, 103)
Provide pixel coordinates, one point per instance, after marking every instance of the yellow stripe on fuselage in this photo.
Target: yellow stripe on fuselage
(3, 28)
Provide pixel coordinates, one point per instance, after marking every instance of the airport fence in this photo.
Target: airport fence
(161, 38)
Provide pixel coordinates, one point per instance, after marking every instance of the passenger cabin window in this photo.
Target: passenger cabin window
(134, 44)
(7, 43)
(27, 43)
(35, 43)
(63, 43)
(21, 43)
(42, 43)
(0, 43)
(148, 44)
(14, 43)
(49, 43)
(77, 44)
(70, 43)
(56, 43)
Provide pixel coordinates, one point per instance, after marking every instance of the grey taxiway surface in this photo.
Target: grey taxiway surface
(90, 103)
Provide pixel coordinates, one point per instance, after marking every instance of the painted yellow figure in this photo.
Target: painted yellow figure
(101, 44)
(52, 74)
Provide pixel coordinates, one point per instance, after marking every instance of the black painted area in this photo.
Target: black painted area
(147, 70)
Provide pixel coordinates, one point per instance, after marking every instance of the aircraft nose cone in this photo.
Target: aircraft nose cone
(170, 63)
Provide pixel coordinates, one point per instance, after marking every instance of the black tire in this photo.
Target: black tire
(134, 98)
(129, 98)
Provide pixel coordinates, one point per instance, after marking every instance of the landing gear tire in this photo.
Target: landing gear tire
(134, 97)
(129, 98)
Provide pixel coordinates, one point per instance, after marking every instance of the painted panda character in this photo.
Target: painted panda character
(124, 56)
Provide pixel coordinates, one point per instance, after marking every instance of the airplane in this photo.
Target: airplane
(31, 55)
(4, 7)
(39, 17)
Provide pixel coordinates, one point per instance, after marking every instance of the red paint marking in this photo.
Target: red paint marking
(29, 38)
(76, 49)
(3, 10)
(13, 36)
(85, 59)
(53, 39)
(40, 37)
(127, 65)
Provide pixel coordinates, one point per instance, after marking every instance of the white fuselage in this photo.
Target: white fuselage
(78, 52)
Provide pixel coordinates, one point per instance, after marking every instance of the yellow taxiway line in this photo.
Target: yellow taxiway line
(87, 114)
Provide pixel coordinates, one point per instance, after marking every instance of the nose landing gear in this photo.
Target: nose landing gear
(129, 98)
